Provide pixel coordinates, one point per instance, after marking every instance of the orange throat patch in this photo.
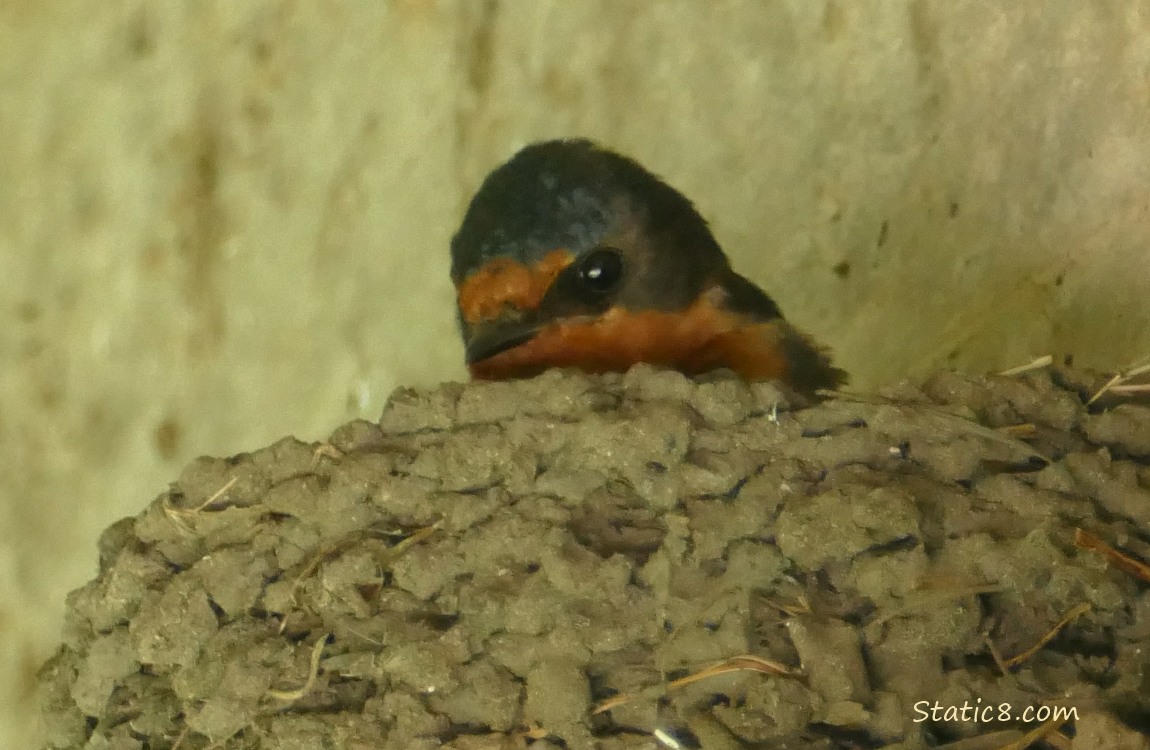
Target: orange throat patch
(703, 337)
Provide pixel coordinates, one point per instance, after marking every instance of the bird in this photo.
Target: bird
(571, 255)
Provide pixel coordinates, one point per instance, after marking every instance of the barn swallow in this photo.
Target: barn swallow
(571, 255)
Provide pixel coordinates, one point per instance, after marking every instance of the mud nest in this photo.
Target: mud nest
(638, 561)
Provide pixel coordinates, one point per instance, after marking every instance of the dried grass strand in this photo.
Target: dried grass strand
(290, 696)
(1044, 361)
(1126, 563)
(1069, 617)
(746, 662)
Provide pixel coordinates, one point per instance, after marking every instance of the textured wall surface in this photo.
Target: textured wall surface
(225, 222)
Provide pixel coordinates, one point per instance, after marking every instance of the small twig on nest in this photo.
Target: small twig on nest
(746, 662)
(1136, 568)
(215, 496)
(533, 731)
(345, 543)
(1069, 617)
(800, 605)
(995, 654)
(1101, 391)
(1044, 361)
(322, 554)
(983, 741)
(185, 512)
(179, 516)
(294, 695)
(180, 737)
(326, 450)
(396, 551)
(941, 417)
(613, 702)
(1119, 381)
(666, 739)
(1024, 430)
(1034, 735)
(1130, 390)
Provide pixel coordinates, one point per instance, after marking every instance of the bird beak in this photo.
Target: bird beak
(485, 340)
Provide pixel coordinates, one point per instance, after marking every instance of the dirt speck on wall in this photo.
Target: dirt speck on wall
(637, 561)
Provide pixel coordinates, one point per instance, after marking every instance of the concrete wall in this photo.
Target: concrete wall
(223, 222)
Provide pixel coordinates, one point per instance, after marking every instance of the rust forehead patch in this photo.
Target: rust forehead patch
(504, 283)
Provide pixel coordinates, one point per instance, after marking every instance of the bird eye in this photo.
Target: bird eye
(600, 270)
